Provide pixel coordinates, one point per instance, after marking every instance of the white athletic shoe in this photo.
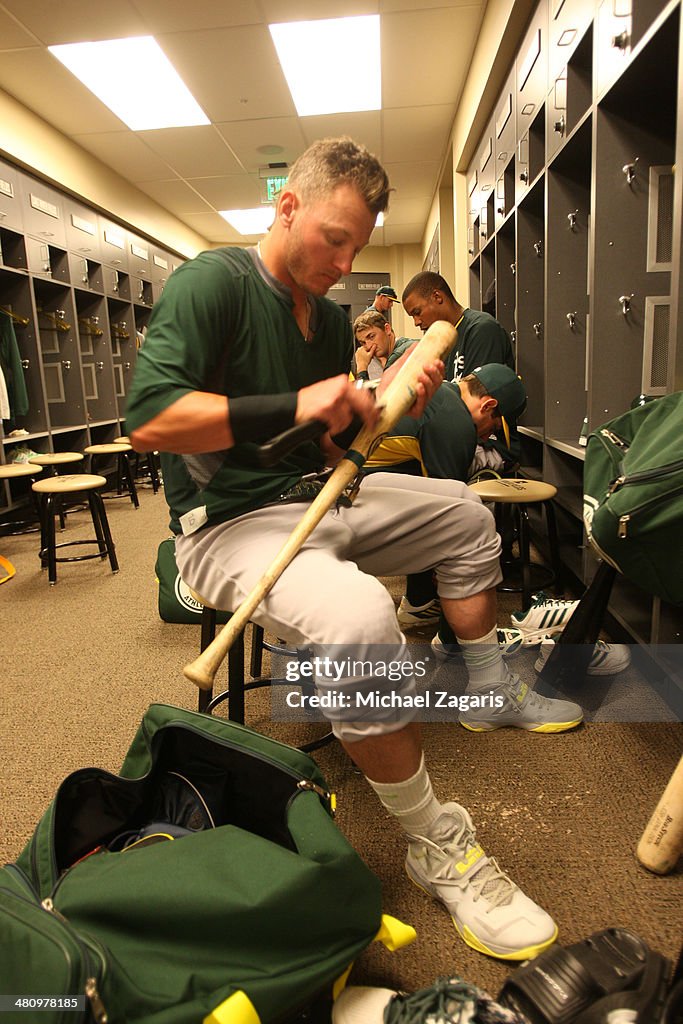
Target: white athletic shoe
(489, 911)
(509, 641)
(545, 614)
(418, 615)
(607, 659)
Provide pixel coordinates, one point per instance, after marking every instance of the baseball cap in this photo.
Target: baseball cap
(386, 290)
(505, 386)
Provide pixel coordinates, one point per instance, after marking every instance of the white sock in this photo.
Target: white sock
(485, 665)
(411, 802)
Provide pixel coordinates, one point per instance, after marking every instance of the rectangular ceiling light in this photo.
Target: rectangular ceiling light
(332, 66)
(135, 79)
(250, 222)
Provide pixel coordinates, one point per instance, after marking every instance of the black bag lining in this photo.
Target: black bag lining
(239, 788)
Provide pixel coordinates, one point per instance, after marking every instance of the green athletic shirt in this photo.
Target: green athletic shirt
(481, 339)
(224, 325)
(441, 443)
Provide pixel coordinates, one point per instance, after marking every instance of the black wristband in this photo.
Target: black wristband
(347, 436)
(259, 417)
(362, 375)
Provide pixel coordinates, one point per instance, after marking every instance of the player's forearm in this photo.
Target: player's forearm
(197, 422)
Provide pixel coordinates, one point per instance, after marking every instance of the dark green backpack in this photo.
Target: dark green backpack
(176, 601)
(633, 495)
(248, 920)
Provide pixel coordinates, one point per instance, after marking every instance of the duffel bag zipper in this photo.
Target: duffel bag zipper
(90, 985)
(645, 475)
(622, 529)
(90, 988)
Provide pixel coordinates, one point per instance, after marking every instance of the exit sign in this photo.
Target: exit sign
(273, 187)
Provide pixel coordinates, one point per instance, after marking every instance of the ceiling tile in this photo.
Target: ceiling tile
(175, 195)
(12, 35)
(408, 211)
(233, 73)
(192, 152)
(416, 133)
(281, 134)
(426, 42)
(215, 229)
(389, 6)
(363, 126)
(72, 21)
(412, 180)
(41, 83)
(312, 10)
(403, 234)
(180, 16)
(229, 192)
(126, 154)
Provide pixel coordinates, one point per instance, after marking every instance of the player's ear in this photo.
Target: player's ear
(287, 204)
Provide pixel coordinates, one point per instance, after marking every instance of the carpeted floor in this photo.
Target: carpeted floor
(563, 813)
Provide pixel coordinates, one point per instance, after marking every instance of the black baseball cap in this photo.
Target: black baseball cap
(386, 290)
(505, 386)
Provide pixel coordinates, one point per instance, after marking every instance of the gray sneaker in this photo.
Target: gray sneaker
(489, 911)
(513, 703)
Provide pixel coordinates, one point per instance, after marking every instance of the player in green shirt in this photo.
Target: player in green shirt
(243, 345)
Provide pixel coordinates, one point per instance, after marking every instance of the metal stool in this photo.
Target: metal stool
(13, 471)
(50, 461)
(237, 686)
(124, 473)
(150, 460)
(51, 490)
(517, 493)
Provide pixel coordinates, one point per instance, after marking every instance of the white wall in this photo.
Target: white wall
(28, 140)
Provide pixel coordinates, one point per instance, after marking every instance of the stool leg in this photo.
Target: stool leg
(236, 681)
(127, 472)
(94, 515)
(98, 512)
(555, 559)
(523, 521)
(256, 666)
(153, 471)
(207, 635)
(50, 539)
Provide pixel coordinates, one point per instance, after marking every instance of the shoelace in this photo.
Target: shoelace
(488, 880)
(448, 1001)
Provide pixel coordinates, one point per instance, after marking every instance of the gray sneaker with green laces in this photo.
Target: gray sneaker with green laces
(489, 911)
(513, 703)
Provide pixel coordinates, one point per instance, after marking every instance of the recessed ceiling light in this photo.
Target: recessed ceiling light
(135, 79)
(250, 222)
(380, 220)
(332, 66)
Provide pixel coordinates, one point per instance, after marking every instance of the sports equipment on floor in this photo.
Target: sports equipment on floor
(607, 659)
(489, 911)
(514, 704)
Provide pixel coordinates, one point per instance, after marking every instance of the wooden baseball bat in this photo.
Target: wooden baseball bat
(661, 843)
(397, 399)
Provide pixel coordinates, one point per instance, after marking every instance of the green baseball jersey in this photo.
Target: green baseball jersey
(481, 339)
(224, 325)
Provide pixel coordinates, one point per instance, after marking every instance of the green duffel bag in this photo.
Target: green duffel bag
(633, 495)
(206, 882)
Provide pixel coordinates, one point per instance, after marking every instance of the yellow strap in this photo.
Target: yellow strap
(340, 983)
(394, 934)
(9, 569)
(236, 1009)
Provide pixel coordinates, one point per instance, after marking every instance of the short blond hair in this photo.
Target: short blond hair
(329, 163)
(370, 318)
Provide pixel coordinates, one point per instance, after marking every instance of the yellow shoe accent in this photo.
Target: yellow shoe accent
(394, 934)
(557, 726)
(528, 953)
(236, 1009)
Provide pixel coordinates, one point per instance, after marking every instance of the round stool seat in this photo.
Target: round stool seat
(69, 483)
(121, 440)
(514, 491)
(15, 469)
(115, 448)
(55, 458)
(200, 600)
